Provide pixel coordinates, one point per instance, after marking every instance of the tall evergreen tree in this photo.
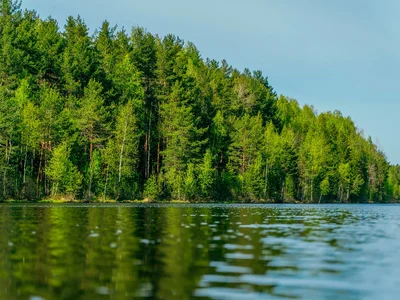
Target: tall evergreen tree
(91, 124)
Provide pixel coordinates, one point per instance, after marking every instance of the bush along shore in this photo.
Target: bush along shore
(130, 115)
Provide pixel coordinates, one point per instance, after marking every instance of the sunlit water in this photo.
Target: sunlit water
(203, 251)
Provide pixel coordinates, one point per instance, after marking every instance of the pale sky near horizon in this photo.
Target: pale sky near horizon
(331, 54)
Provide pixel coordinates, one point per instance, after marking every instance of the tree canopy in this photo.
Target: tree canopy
(131, 115)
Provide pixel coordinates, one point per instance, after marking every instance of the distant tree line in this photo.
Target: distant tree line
(131, 115)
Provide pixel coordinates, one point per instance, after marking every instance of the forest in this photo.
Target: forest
(127, 114)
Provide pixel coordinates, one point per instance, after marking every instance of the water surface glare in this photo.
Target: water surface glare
(205, 251)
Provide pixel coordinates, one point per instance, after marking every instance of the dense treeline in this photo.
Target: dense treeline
(130, 115)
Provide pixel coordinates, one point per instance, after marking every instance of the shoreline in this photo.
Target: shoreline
(147, 201)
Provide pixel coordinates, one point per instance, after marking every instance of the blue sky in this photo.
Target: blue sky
(331, 54)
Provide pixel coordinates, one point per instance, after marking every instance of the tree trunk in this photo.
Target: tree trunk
(26, 157)
(243, 168)
(122, 152)
(312, 182)
(4, 183)
(5, 171)
(149, 147)
(304, 191)
(39, 176)
(32, 160)
(105, 186)
(90, 168)
(158, 158)
(243, 163)
(266, 181)
(45, 178)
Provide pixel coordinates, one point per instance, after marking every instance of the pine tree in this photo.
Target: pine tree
(181, 138)
(246, 141)
(91, 124)
(78, 62)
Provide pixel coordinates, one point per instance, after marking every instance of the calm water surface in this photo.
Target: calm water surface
(199, 251)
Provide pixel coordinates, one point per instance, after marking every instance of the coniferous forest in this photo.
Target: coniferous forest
(125, 114)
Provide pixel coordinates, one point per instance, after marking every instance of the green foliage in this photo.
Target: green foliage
(289, 189)
(92, 126)
(78, 56)
(190, 183)
(207, 176)
(139, 115)
(64, 176)
(152, 189)
(324, 187)
(393, 183)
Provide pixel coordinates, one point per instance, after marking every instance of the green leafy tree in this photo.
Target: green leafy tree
(91, 124)
(78, 63)
(207, 176)
(50, 49)
(314, 154)
(152, 188)
(65, 177)
(181, 139)
(190, 182)
(246, 140)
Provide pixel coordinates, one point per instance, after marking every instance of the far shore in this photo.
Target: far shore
(150, 201)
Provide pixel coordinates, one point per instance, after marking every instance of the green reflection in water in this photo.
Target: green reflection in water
(178, 252)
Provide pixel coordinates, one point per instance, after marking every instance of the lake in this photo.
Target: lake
(127, 251)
